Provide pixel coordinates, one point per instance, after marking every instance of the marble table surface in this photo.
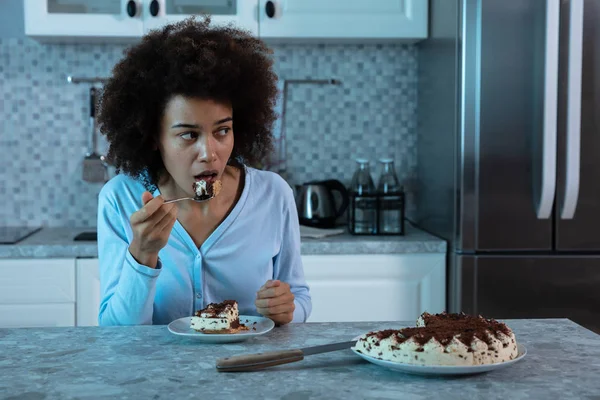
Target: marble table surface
(148, 362)
(59, 243)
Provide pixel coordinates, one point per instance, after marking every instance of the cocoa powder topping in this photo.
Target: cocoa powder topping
(444, 327)
(214, 309)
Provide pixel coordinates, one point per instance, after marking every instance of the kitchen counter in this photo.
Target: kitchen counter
(59, 243)
(148, 362)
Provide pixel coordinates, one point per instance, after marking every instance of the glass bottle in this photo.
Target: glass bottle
(390, 200)
(363, 201)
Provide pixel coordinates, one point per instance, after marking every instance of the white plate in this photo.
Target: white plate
(181, 327)
(444, 369)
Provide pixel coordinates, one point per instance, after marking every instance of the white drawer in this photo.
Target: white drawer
(37, 315)
(375, 287)
(37, 281)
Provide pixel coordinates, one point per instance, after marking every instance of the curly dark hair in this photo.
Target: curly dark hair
(192, 59)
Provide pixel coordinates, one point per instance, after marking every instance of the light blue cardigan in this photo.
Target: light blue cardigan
(259, 240)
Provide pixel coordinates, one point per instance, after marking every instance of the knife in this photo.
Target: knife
(250, 362)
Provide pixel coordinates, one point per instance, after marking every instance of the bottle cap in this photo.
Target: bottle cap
(362, 160)
(386, 160)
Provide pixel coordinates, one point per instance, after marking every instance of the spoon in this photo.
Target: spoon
(203, 193)
(198, 199)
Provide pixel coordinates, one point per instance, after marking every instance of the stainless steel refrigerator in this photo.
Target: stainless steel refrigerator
(509, 154)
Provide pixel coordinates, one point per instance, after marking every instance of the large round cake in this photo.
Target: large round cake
(443, 339)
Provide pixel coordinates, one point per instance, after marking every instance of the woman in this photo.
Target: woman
(194, 102)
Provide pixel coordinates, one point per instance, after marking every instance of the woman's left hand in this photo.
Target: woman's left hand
(275, 300)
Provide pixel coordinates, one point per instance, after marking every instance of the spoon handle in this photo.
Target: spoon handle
(175, 200)
(189, 198)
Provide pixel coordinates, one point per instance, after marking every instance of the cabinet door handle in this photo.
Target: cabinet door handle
(573, 109)
(544, 207)
(132, 8)
(154, 8)
(270, 9)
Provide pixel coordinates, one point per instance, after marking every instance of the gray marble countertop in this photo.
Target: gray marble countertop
(148, 362)
(59, 243)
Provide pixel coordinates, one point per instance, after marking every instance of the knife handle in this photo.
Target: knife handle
(250, 362)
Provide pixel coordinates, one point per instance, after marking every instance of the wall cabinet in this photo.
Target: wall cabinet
(69, 20)
(277, 20)
(343, 19)
(128, 20)
(242, 13)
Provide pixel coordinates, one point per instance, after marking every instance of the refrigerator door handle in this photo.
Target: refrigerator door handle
(548, 189)
(573, 156)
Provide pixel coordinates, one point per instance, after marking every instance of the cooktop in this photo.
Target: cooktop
(14, 234)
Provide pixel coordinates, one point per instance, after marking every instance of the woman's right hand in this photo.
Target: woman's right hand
(151, 225)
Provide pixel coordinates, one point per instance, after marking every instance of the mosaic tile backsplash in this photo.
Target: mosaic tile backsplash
(44, 121)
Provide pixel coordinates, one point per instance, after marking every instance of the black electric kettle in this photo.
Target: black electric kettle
(316, 203)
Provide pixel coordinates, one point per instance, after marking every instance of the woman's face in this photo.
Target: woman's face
(196, 140)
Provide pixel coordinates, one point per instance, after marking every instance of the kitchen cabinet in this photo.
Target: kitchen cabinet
(126, 20)
(69, 20)
(37, 292)
(88, 292)
(375, 287)
(280, 20)
(398, 20)
(362, 287)
(242, 13)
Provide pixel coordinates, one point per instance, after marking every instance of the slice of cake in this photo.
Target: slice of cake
(205, 190)
(218, 318)
(443, 339)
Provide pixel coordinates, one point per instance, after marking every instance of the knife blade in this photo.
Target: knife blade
(250, 362)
